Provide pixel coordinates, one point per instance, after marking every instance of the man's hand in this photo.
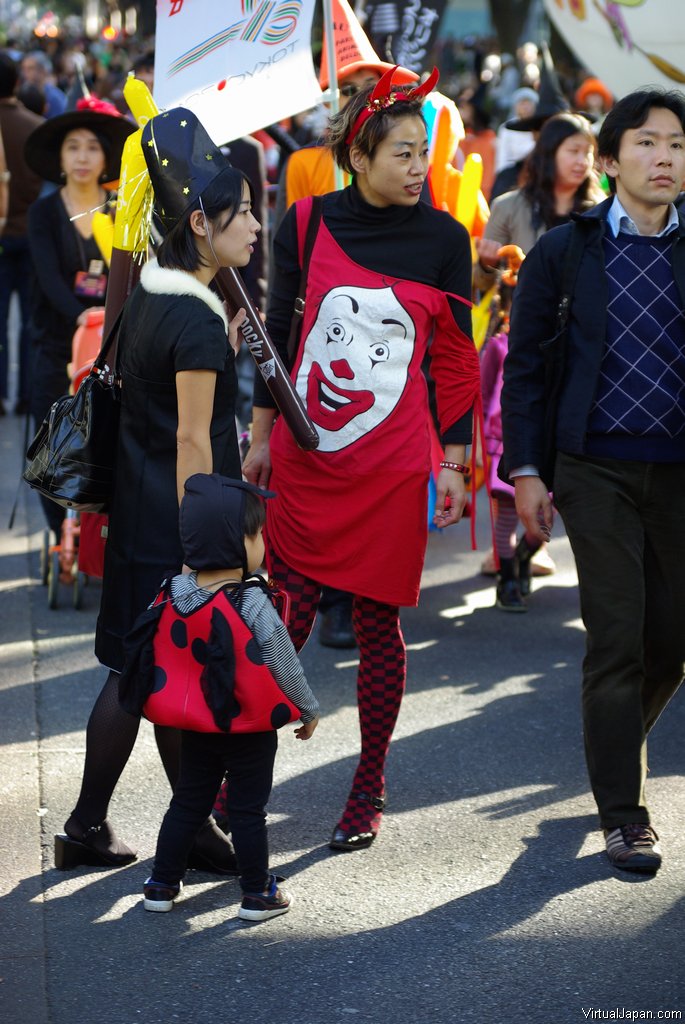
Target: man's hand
(533, 507)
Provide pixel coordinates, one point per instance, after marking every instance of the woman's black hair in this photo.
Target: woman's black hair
(631, 112)
(223, 195)
(540, 169)
(374, 129)
(254, 515)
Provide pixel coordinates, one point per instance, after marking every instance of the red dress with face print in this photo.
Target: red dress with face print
(353, 513)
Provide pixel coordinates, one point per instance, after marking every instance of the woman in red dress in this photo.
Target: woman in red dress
(389, 278)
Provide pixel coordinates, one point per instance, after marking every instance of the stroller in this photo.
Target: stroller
(59, 562)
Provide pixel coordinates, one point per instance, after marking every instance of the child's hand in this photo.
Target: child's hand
(306, 729)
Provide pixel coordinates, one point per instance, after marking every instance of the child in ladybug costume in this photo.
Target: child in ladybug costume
(211, 656)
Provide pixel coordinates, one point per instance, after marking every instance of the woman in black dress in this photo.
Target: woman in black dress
(177, 418)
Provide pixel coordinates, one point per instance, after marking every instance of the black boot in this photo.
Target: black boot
(96, 846)
(213, 851)
(335, 629)
(522, 558)
(509, 597)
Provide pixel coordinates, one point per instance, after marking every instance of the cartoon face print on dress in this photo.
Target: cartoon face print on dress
(355, 363)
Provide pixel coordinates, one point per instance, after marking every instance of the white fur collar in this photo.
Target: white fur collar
(164, 281)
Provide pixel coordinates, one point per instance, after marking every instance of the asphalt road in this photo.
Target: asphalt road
(486, 898)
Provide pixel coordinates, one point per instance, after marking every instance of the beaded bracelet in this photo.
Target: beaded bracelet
(456, 466)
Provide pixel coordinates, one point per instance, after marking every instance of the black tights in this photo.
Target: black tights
(110, 737)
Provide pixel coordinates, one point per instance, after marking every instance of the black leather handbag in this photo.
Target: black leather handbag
(71, 458)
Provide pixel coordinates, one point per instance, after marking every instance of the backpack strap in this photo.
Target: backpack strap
(278, 598)
(574, 255)
(554, 351)
(309, 212)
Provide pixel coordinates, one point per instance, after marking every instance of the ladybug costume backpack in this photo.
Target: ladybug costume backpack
(203, 670)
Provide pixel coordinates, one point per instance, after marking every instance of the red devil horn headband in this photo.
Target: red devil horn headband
(383, 97)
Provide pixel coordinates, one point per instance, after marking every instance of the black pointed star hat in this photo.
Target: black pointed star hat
(182, 161)
(552, 100)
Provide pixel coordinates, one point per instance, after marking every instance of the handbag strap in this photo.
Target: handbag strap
(315, 214)
(109, 344)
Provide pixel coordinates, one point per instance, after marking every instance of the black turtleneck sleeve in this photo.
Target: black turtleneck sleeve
(416, 243)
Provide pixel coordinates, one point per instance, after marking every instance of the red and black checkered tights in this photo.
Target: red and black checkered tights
(380, 683)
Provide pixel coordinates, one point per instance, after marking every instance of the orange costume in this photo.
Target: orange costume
(309, 172)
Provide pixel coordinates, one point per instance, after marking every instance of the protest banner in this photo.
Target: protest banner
(626, 43)
(239, 65)
(420, 22)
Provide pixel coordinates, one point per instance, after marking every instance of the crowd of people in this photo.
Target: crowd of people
(580, 378)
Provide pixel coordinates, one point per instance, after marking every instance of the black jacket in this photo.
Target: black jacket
(533, 322)
(58, 252)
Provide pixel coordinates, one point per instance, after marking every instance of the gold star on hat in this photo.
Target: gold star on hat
(182, 162)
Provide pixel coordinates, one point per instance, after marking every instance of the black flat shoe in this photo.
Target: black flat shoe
(522, 559)
(349, 841)
(95, 847)
(212, 851)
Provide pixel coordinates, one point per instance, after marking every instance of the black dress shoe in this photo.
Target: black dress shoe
(96, 846)
(522, 558)
(349, 841)
(336, 629)
(213, 851)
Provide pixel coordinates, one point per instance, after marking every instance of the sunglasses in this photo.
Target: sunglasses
(350, 90)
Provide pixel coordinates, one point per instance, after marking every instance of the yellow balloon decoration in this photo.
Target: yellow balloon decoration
(103, 233)
(140, 101)
(134, 199)
(453, 188)
(467, 201)
(443, 148)
(480, 317)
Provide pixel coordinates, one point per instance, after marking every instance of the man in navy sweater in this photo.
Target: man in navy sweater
(617, 430)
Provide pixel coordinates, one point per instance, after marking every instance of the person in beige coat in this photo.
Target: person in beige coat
(559, 180)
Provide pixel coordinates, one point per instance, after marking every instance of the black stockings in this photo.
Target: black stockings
(110, 737)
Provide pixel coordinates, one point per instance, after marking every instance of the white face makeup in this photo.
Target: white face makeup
(355, 363)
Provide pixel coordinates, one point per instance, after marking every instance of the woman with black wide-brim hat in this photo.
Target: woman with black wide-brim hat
(81, 152)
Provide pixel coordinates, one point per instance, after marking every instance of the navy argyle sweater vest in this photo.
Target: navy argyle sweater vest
(639, 408)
